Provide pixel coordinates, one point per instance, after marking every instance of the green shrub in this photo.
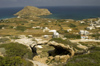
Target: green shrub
(4, 39)
(11, 27)
(46, 24)
(22, 28)
(3, 26)
(16, 55)
(69, 35)
(59, 40)
(15, 49)
(92, 59)
(72, 25)
(14, 61)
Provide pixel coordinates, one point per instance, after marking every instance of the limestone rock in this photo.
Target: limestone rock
(61, 52)
(61, 49)
(1, 54)
(39, 59)
(36, 58)
(82, 46)
(57, 58)
(51, 57)
(64, 58)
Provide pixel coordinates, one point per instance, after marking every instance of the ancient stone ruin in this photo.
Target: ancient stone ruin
(60, 53)
(60, 49)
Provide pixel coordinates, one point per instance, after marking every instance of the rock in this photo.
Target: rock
(82, 46)
(21, 36)
(57, 58)
(36, 58)
(30, 36)
(3, 27)
(51, 57)
(61, 49)
(60, 53)
(1, 54)
(39, 59)
(64, 58)
(31, 11)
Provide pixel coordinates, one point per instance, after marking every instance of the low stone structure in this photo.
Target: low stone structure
(61, 49)
(60, 53)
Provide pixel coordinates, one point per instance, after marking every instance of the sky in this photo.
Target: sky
(23, 3)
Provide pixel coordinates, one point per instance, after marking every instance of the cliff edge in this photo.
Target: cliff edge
(31, 11)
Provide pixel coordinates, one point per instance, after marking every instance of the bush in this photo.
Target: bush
(59, 40)
(69, 35)
(14, 61)
(11, 27)
(4, 39)
(16, 55)
(72, 25)
(22, 28)
(15, 49)
(92, 59)
(96, 36)
(2, 26)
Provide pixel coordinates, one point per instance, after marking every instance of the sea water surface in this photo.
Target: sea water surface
(9, 12)
(59, 12)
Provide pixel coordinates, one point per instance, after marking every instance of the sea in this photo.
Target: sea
(59, 12)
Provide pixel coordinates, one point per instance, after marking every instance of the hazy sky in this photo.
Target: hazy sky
(22, 3)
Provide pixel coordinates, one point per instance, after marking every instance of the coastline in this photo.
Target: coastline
(7, 18)
(58, 12)
(54, 35)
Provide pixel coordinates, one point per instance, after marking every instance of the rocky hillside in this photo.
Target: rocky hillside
(31, 11)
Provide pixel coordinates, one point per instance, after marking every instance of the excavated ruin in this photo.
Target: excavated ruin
(60, 52)
(60, 49)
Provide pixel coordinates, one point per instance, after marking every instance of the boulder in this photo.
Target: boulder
(64, 58)
(57, 58)
(82, 46)
(1, 54)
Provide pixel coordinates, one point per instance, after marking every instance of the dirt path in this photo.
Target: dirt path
(82, 40)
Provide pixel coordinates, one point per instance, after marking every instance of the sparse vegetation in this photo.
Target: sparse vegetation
(22, 28)
(15, 49)
(15, 55)
(92, 59)
(2, 26)
(72, 25)
(59, 40)
(72, 36)
(4, 39)
(65, 42)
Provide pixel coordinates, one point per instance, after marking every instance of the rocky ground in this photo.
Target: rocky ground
(51, 52)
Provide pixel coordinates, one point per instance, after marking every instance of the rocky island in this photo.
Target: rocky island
(29, 40)
(31, 11)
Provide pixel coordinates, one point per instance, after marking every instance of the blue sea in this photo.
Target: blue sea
(64, 12)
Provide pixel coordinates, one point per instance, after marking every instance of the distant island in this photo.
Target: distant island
(31, 11)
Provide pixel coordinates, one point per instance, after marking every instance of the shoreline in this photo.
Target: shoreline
(64, 13)
(7, 18)
(50, 18)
